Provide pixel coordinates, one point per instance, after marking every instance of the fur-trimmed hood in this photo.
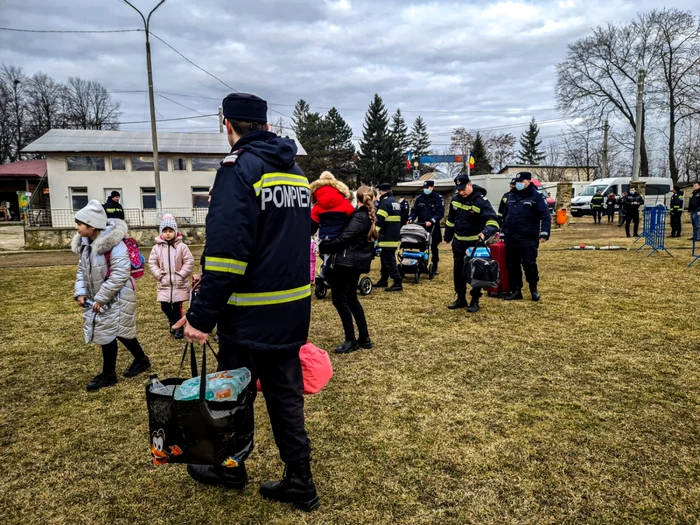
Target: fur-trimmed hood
(109, 238)
(327, 179)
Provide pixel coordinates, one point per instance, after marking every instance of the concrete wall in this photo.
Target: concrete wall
(57, 238)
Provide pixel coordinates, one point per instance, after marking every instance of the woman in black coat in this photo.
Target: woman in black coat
(353, 251)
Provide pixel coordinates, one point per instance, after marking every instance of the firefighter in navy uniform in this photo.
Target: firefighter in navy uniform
(597, 203)
(526, 224)
(428, 211)
(676, 212)
(256, 287)
(471, 217)
(504, 199)
(388, 226)
(112, 207)
(632, 202)
(405, 210)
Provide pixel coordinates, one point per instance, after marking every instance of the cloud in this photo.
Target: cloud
(452, 62)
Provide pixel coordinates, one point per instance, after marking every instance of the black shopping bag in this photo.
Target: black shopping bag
(481, 272)
(200, 432)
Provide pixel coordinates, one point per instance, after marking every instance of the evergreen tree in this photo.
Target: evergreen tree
(419, 139)
(376, 147)
(481, 157)
(301, 111)
(341, 150)
(315, 137)
(400, 145)
(530, 152)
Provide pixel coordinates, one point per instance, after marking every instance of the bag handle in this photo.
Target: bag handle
(473, 255)
(193, 358)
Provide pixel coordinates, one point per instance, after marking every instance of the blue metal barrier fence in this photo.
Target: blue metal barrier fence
(655, 229)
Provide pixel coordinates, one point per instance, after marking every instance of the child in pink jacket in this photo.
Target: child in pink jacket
(171, 263)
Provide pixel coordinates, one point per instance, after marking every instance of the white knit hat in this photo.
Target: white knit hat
(168, 222)
(93, 215)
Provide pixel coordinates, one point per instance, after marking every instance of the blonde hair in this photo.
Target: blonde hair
(365, 197)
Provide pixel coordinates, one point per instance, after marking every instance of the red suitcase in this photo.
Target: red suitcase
(498, 253)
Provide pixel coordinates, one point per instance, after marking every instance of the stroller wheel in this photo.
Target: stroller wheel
(321, 289)
(431, 272)
(417, 277)
(365, 286)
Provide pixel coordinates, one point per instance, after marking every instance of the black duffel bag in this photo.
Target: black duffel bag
(481, 272)
(199, 432)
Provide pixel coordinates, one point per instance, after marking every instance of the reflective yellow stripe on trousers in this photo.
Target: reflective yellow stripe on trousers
(268, 298)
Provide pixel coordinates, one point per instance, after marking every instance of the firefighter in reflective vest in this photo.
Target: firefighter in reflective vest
(676, 212)
(597, 203)
(471, 217)
(256, 286)
(112, 207)
(504, 199)
(388, 226)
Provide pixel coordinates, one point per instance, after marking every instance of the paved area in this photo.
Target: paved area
(11, 237)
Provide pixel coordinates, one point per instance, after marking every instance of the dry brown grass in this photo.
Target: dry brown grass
(582, 408)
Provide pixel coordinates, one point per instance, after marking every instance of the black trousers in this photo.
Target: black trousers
(435, 244)
(283, 387)
(597, 215)
(347, 304)
(611, 214)
(676, 223)
(389, 266)
(110, 350)
(519, 258)
(460, 280)
(632, 217)
(173, 311)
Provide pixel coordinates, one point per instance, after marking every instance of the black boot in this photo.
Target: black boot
(365, 343)
(473, 306)
(535, 294)
(179, 333)
(234, 478)
(515, 295)
(347, 347)
(461, 302)
(297, 487)
(101, 381)
(138, 367)
(435, 269)
(382, 283)
(396, 287)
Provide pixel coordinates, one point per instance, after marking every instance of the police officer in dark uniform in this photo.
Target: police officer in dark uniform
(256, 286)
(428, 211)
(597, 203)
(471, 217)
(526, 223)
(632, 202)
(504, 199)
(388, 226)
(676, 212)
(405, 210)
(112, 207)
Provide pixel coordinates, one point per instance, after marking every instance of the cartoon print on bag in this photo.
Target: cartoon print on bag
(160, 456)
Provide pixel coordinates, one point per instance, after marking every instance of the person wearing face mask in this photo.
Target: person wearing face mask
(428, 211)
(526, 224)
(471, 218)
(632, 202)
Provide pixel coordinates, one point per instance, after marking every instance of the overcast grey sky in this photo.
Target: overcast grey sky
(475, 64)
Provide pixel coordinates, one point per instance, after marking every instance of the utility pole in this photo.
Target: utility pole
(154, 133)
(221, 119)
(604, 159)
(17, 82)
(638, 127)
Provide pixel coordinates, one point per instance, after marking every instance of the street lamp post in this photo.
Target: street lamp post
(17, 82)
(154, 134)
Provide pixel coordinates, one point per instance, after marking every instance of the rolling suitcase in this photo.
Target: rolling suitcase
(498, 253)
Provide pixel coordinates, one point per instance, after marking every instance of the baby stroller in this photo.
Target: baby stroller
(322, 282)
(414, 252)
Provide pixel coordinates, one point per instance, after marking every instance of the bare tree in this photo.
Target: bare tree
(16, 84)
(45, 105)
(501, 149)
(90, 105)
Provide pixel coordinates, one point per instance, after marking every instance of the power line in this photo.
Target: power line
(69, 31)
(170, 119)
(177, 103)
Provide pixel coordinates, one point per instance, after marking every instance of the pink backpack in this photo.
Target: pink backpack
(316, 368)
(138, 262)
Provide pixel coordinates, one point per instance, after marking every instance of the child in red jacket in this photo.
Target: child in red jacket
(332, 207)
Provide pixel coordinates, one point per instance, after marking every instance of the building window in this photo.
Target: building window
(200, 197)
(85, 163)
(205, 163)
(118, 164)
(146, 163)
(148, 198)
(179, 164)
(78, 198)
(108, 192)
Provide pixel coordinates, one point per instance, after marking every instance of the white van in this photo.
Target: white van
(658, 191)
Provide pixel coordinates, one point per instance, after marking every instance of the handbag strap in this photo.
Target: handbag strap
(473, 255)
(193, 357)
